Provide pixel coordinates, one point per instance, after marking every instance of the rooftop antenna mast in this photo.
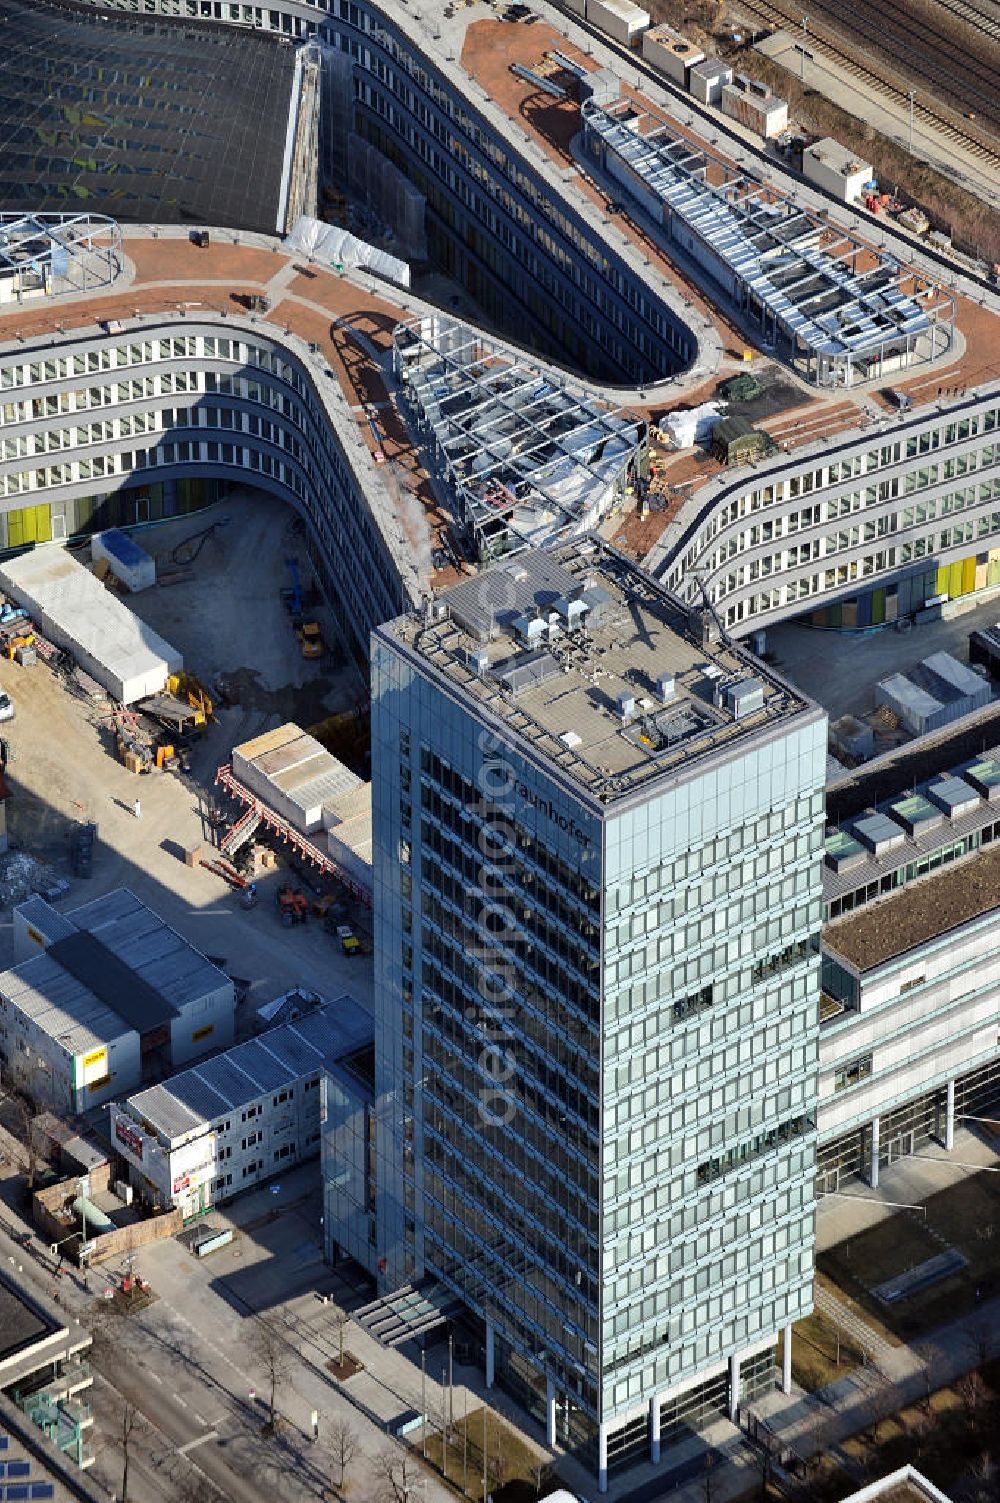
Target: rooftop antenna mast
(709, 608)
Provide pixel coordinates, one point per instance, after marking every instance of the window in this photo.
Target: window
(742, 1153)
(851, 1074)
(283, 1153)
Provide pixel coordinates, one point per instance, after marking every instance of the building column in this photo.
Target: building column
(734, 1387)
(602, 1458)
(949, 1117)
(654, 1428)
(786, 1361)
(873, 1166)
(550, 1413)
(490, 1354)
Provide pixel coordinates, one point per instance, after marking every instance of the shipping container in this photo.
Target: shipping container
(620, 19)
(670, 53)
(706, 80)
(767, 116)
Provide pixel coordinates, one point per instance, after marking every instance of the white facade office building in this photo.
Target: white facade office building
(598, 837)
(239, 1119)
(911, 973)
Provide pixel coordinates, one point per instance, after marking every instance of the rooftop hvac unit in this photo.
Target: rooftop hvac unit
(479, 660)
(626, 705)
(665, 685)
(743, 698)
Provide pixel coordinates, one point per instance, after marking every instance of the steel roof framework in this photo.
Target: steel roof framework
(56, 254)
(795, 272)
(529, 457)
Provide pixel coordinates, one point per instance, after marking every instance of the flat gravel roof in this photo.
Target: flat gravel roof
(141, 118)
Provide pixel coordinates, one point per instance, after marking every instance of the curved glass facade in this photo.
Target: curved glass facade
(141, 119)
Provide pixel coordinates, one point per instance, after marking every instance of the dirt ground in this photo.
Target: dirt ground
(227, 617)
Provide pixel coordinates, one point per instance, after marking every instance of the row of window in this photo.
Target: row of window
(766, 1142)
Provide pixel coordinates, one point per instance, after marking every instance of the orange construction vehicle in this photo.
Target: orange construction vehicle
(293, 905)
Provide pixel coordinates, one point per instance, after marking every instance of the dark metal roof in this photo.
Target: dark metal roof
(143, 118)
(22, 1322)
(102, 972)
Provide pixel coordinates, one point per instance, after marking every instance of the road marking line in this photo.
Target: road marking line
(182, 1402)
(200, 1418)
(199, 1440)
(155, 1376)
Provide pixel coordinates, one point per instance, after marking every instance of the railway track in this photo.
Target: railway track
(973, 16)
(773, 13)
(741, 147)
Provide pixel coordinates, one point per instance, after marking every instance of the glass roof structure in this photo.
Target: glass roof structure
(834, 304)
(49, 254)
(149, 120)
(528, 457)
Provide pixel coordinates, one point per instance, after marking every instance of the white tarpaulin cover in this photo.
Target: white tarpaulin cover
(76, 612)
(338, 247)
(689, 428)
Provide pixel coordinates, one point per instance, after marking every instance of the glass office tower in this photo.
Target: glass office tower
(598, 845)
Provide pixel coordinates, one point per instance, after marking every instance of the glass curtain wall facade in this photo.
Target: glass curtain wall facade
(596, 1057)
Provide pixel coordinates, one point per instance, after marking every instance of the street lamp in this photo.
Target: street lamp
(911, 95)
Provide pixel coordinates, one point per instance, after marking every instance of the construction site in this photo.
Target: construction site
(146, 753)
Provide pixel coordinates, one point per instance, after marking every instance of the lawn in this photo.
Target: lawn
(816, 1345)
(512, 1467)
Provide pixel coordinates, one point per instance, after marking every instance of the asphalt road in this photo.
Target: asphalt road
(172, 1416)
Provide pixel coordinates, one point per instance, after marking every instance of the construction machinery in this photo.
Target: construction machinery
(350, 944)
(310, 639)
(191, 691)
(16, 636)
(309, 636)
(293, 905)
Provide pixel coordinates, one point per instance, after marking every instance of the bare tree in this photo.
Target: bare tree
(972, 1391)
(130, 1418)
(344, 1445)
(918, 1426)
(540, 1472)
(980, 1340)
(498, 1461)
(30, 1136)
(268, 1348)
(339, 1318)
(984, 1472)
(925, 1402)
(397, 1473)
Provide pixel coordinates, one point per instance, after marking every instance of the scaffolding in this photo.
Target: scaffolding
(840, 311)
(50, 255)
(529, 457)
